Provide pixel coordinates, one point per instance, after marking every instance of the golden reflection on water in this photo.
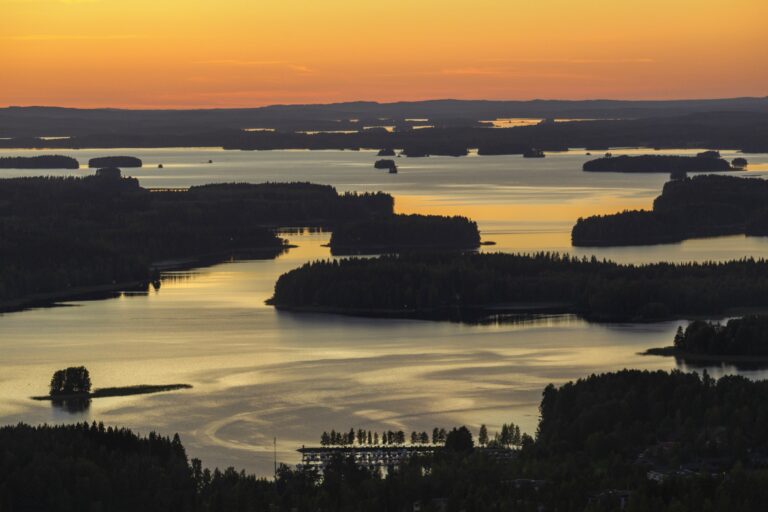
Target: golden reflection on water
(560, 211)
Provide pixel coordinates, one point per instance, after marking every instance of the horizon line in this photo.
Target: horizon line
(397, 102)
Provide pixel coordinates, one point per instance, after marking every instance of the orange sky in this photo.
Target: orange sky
(210, 53)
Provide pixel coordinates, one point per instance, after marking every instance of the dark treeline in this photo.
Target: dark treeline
(653, 440)
(90, 467)
(658, 163)
(114, 161)
(362, 437)
(39, 162)
(747, 336)
(58, 235)
(397, 232)
(285, 204)
(693, 207)
(458, 286)
(41, 121)
(746, 131)
(673, 441)
(509, 436)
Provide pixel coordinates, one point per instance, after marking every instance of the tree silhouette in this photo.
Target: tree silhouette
(482, 437)
(459, 440)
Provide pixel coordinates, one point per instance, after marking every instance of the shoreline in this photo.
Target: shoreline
(112, 290)
(703, 358)
(472, 314)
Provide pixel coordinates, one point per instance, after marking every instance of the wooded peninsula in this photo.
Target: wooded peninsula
(69, 237)
(739, 339)
(707, 205)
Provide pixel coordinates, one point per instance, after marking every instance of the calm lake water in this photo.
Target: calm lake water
(259, 374)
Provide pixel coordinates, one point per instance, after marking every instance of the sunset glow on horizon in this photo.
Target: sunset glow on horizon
(239, 53)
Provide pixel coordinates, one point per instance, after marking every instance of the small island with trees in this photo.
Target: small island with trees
(115, 161)
(708, 205)
(74, 383)
(386, 164)
(39, 162)
(707, 161)
(399, 232)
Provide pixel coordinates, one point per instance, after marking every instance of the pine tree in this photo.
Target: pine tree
(482, 437)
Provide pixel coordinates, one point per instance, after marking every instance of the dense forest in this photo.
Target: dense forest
(631, 440)
(747, 131)
(61, 235)
(463, 286)
(114, 161)
(707, 205)
(41, 121)
(397, 232)
(746, 336)
(39, 162)
(658, 163)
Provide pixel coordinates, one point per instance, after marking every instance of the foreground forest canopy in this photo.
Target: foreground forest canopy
(709, 205)
(69, 235)
(650, 440)
(463, 286)
(397, 232)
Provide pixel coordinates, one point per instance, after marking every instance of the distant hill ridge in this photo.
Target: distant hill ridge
(30, 121)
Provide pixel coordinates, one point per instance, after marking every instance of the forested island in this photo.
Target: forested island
(742, 339)
(74, 383)
(398, 232)
(386, 164)
(115, 161)
(703, 162)
(632, 440)
(39, 162)
(708, 205)
(72, 237)
(420, 149)
(466, 287)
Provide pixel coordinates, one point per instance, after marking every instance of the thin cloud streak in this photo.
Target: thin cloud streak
(631, 60)
(72, 37)
(299, 68)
